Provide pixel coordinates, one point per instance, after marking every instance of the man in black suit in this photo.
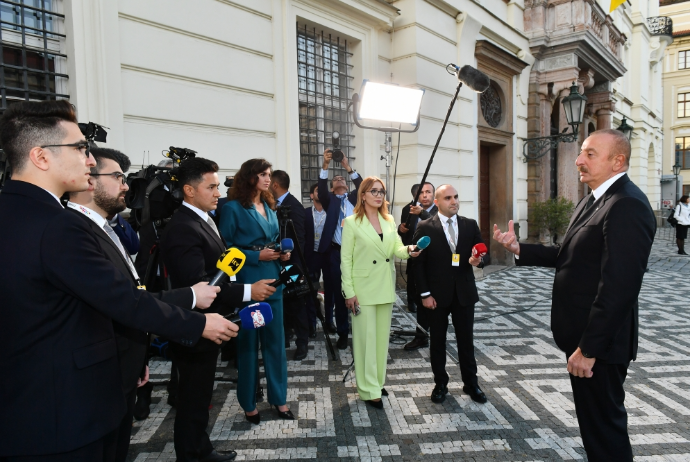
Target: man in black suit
(339, 204)
(296, 316)
(445, 281)
(314, 221)
(424, 210)
(190, 247)
(60, 295)
(106, 197)
(599, 270)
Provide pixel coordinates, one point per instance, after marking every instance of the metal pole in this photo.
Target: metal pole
(387, 158)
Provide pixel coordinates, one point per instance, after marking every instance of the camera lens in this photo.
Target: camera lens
(338, 155)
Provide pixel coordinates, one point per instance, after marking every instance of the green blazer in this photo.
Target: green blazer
(367, 264)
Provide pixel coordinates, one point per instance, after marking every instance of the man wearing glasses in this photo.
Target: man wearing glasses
(338, 205)
(60, 372)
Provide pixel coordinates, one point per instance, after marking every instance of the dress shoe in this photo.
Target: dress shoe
(172, 400)
(287, 415)
(300, 353)
(330, 328)
(438, 395)
(384, 392)
(260, 395)
(475, 393)
(411, 307)
(416, 344)
(377, 404)
(142, 407)
(312, 331)
(342, 342)
(255, 419)
(221, 456)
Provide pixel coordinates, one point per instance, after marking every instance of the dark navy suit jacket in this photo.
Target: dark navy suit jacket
(331, 205)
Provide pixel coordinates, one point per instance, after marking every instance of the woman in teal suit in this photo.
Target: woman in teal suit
(370, 243)
(249, 223)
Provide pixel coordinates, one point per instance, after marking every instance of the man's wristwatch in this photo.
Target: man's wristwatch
(588, 356)
(351, 171)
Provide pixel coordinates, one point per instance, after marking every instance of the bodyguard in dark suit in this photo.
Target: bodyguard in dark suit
(107, 198)
(61, 377)
(296, 316)
(314, 221)
(599, 270)
(190, 247)
(338, 205)
(445, 281)
(420, 212)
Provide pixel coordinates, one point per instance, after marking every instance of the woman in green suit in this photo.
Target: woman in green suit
(370, 243)
(249, 223)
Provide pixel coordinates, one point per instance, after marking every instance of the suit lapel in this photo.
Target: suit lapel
(368, 229)
(204, 225)
(436, 222)
(261, 221)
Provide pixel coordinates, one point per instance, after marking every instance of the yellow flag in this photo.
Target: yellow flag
(615, 4)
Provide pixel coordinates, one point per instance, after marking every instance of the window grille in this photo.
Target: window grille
(325, 91)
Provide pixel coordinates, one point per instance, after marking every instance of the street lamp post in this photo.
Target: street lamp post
(676, 172)
(574, 106)
(625, 128)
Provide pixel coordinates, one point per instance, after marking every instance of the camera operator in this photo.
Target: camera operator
(314, 220)
(295, 307)
(338, 205)
(56, 332)
(106, 197)
(190, 247)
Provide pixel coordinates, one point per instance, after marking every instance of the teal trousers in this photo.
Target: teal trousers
(370, 337)
(272, 338)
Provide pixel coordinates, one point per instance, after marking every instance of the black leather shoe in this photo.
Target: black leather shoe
(411, 307)
(300, 353)
(312, 331)
(287, 415)
(438, 395)
(377, 404)
(342, 342)
(330, 328)
(475, 393)
(142, 407)
(221, 456)
(416, 344)
(255, 419)
(384, 392)
(260, 395)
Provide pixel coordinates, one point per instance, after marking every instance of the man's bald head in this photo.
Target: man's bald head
(447, 200)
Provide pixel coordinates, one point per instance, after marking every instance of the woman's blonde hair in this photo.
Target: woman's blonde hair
(366, 185)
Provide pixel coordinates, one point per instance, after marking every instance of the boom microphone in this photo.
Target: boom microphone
(229, 264)
(289, 274)
(471, 77)
(253, 316)
(479, 250)
(422, 243)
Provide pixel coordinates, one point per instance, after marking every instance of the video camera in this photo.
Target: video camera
(154, 193)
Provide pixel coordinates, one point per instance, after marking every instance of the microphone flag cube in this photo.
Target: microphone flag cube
(287, 275)
(253, 316)
(479, 250)
(231, 261)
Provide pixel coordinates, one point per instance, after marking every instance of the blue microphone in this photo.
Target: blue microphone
(253, 316)
(422, 243)
(286, 245)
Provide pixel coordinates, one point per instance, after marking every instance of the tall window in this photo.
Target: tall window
(30, 45)
(684, 59)
(684, 105)
(324, 75)
(683, 151)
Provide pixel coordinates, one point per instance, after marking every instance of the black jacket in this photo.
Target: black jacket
(190, 250)
(433, 268)
(408, 237)
(60, 374)
(132, 344)
(599, 270)
(297, 217)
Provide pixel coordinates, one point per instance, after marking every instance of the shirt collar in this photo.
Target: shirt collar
(56, 198)
(606, 185)
(203, 215)
(444, 219)
(95, 217)
(282, 198)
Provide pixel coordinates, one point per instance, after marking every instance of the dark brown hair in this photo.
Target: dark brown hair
(244, 187)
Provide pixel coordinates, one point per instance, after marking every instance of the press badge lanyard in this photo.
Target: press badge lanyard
(456, 256)
(343, 208)
(127, 258)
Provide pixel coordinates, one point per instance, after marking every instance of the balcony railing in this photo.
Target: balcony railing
(660, 25)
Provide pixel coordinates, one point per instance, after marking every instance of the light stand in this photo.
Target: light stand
(387, 141)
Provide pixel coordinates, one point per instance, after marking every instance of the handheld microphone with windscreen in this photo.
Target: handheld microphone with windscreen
(253, 316)
(479, 250)
(229, 264)
(286, 245)
(422, 243)
(289, 274)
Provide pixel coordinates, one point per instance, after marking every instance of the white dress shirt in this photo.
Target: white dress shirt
(605, 186)
(348, 207)
(204, 216)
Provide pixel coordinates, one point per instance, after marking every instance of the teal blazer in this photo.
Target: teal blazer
(244, 228)
(368, 264)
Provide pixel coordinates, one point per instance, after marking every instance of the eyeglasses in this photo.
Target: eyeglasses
(377, 192)
(116, 175)
(338, 178)
(82, 146)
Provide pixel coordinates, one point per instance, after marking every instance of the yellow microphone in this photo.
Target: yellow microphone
(229, 264)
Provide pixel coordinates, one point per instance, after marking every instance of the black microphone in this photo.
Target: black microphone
(471, 77)
(289, 274)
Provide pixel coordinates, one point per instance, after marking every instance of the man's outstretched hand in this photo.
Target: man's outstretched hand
(218, 329)
(507, 239)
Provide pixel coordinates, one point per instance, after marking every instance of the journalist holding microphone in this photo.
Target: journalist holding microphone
(370, 243)
(248, 222)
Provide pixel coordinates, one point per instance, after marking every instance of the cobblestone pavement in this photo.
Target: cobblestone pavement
(530, 414)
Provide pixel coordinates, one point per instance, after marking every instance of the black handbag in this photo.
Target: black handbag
(671, 217)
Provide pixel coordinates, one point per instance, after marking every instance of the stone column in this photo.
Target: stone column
(604, 118)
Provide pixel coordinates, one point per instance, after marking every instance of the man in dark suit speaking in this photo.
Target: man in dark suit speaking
(599, 270)
(60, 373)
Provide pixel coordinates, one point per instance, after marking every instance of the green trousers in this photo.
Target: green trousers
(370, 337)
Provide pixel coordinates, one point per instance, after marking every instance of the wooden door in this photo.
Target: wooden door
(485, 199)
